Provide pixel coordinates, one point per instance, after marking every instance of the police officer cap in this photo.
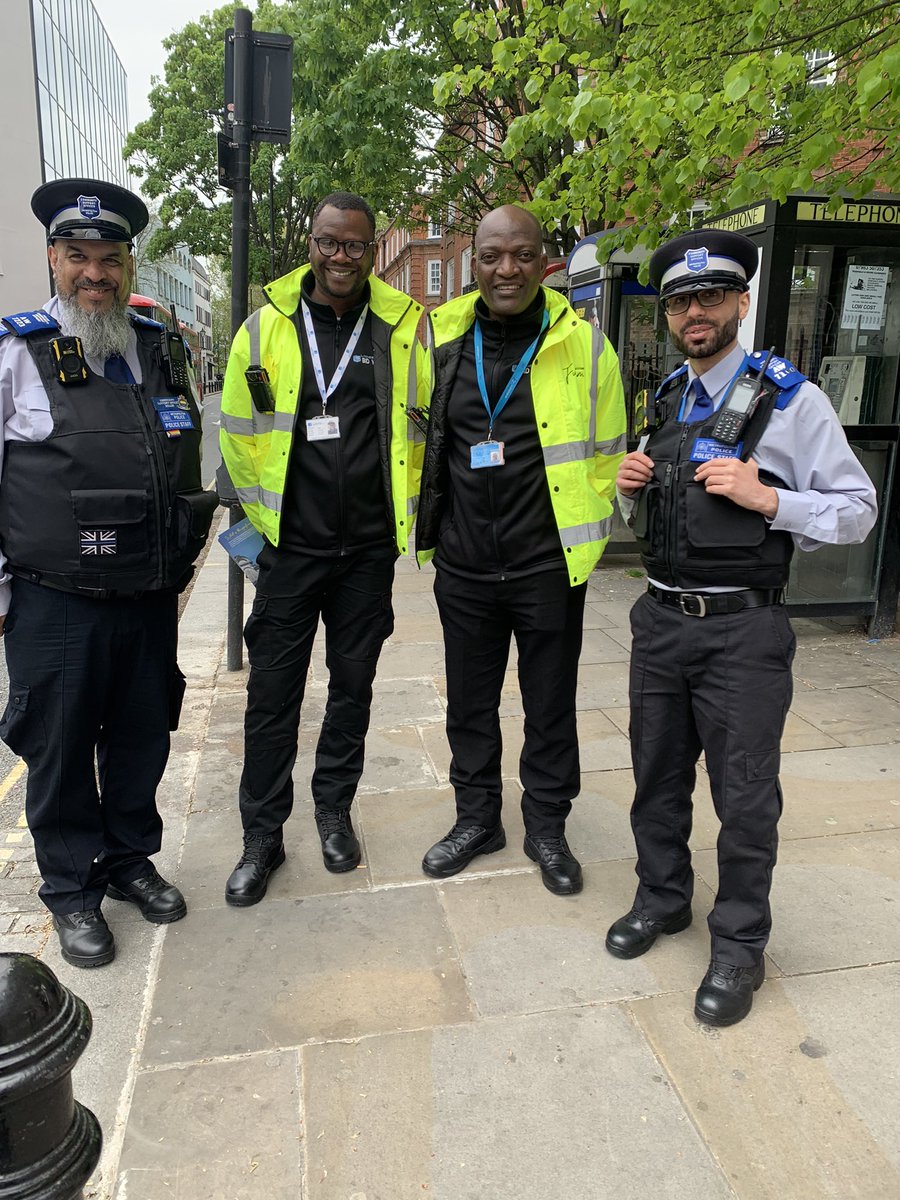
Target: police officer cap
(704, 258)
(89, 208)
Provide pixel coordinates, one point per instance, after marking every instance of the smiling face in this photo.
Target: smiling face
(340, 280)
(509, 260)
(707, 335)
(94, 273)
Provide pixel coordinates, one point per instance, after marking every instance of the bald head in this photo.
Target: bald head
(509, 260)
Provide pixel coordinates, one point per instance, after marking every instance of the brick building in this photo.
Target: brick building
(429, 261)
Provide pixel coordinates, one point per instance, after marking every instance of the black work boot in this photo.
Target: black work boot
(85, 939)
(726, 994)
(247, 883)
(340, 846)
(459, 847)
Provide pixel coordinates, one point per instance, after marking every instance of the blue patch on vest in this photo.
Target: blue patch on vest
(783, 374)
(697, 260)
(24, 323)
(682, 370)
(89, 207)
(706, 449)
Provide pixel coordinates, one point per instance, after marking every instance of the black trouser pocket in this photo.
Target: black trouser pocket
(22, 727)
(177, 687)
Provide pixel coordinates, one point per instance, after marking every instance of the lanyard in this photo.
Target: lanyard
(738, 373)
(339, 370)
(521, 368)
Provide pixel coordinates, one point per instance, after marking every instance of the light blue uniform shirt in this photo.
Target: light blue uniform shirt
(829, 499)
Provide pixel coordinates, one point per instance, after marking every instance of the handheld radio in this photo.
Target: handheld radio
(173, 358)
(739, 406)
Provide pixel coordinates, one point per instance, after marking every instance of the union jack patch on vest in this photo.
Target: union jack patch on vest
(98, 541)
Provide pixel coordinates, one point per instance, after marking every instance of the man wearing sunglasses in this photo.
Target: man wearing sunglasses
(317, 442)
(743, 461)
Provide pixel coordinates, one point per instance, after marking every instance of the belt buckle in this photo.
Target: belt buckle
(692, 605)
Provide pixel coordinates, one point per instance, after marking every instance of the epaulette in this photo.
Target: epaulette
(148, 321)
(666, 383)
(783, 374)
(24, 323)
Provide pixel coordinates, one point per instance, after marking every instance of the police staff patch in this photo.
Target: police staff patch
(697, 260)
(89, 207)
(98, 541)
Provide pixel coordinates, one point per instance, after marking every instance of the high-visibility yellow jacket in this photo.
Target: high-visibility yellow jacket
(256, 446)
(579, 410)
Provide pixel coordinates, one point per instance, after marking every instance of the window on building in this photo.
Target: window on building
(433, 277)
(451, 273)
(465, 268)
(434, 228)
(820, 70)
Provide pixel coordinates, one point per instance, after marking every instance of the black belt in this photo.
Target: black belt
(707, 604)
(90, 593)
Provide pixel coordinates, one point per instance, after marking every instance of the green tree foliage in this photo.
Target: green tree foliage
(356, 126)
(642, 107)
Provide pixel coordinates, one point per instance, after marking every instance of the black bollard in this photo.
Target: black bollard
(49, 1144)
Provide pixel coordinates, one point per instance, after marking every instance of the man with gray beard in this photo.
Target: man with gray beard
(101, 517)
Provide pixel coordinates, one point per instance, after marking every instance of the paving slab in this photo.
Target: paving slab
(558, 1104)
(525, 950)
(215, 1131)
(799, 1101)
(398, 702)
(834, 901)
(284, 971)
(853, 716)
(838, 665)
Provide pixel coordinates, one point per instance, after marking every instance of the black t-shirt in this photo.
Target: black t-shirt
(334, 499)
(499, 521)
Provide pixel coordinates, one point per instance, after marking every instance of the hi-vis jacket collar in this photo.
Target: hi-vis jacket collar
(386, 302)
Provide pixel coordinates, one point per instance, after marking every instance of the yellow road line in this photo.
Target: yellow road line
(11, 780)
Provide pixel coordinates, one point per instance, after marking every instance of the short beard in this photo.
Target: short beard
(102, 334)
(723, 336)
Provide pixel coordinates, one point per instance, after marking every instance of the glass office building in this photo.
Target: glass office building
(81, 92)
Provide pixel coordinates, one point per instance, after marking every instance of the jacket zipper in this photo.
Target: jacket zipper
(163, 501)
(671, 508)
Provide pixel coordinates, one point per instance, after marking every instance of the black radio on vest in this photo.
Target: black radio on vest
(739, 406)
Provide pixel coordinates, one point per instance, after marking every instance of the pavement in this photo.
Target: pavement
(381, 1036)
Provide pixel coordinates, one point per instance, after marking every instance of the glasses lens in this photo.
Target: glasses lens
(327, 246)
(355, 249)
(711, 297)
(677, 304)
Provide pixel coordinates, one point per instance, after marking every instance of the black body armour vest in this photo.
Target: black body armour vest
(690, 539)
(108, 502)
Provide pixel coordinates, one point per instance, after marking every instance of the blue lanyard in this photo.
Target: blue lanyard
(521, 368)
(725, 394)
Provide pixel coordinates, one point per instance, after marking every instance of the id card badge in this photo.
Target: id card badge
(706, 449)
(323, 429)
(486, 454)
(174, 414)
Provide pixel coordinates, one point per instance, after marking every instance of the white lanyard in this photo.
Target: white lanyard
(338, 375)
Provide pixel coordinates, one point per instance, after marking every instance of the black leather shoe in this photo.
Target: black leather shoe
(340, 847)
(560, 869)
(247, 883)
(160, 902)
(459, 847)
(85, 939)
(726, 994)
(634, 934)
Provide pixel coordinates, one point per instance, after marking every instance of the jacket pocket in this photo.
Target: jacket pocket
(715, 522)
(193, 514)
(112, 529)
(22, 725)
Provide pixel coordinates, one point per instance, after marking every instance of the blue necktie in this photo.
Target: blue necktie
(702, 407)
(117, 370)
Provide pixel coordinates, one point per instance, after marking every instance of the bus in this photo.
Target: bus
(145, 306)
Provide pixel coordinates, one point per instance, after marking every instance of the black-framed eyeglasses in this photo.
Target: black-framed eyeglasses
(673, 306)
(329, 247)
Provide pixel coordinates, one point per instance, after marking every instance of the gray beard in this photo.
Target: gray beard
(102, 334)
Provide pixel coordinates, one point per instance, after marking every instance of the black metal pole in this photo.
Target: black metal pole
(240, 261)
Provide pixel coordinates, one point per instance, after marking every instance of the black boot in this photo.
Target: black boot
(726, 994)
(634, 933)
(85, 939)
(560, 869)
(340, 847)
(247, 883)
(459, 847)
(160, 902)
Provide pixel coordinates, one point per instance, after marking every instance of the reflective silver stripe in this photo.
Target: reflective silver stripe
(242, 425)
(412, 505)
(258, 495)
(252, 324)
(284, 422)
(567, 452)
(592, 531)
(617, 445)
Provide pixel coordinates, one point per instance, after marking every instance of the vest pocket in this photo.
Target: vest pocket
(715, 522)
(191, 520)
(22, 725)
(112, 529)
